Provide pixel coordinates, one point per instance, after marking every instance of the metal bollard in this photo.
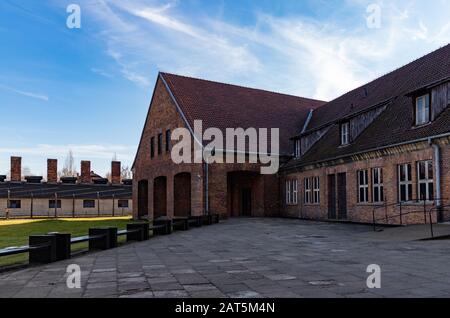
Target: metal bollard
(43, 249)
(141, 235)
(107, 238)
(63, 246)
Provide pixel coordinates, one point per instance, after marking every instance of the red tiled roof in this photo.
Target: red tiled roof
(229, 106)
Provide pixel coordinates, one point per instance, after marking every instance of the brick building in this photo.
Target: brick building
(380, 151)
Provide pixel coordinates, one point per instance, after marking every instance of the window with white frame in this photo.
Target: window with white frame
(316, 190)
(297, 148)
(425, 187)
(345, 133)
(405, 185)
(291, 192)
(423, 109)
(308, 191)
(363, 186)
(377, 185)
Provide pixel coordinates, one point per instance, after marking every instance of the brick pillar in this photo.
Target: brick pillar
(52, 170)
(16, 169)
(86, 172)
(115, 172)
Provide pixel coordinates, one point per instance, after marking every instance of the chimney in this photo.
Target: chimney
(86, 172)
(115, 172)
(52, 171)
(16, 169)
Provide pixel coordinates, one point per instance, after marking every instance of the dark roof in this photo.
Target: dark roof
(81, 191)
(394, 125)
(421, 72)
(229, 106)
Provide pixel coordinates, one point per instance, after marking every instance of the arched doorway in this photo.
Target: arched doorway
(142, 198)
(182, 194)
(160, 197)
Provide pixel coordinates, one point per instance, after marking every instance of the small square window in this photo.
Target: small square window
(89, 204)
(15, 204)
(51, 204)
(122, 203)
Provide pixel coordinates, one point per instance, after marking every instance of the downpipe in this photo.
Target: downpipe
(437, 172)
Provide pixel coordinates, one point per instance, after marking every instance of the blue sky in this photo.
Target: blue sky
(88, 89)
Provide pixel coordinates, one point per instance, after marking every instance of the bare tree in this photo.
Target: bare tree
(126, 173)
(69, 166)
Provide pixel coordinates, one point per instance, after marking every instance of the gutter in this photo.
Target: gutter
(437, 171)
(371, 150)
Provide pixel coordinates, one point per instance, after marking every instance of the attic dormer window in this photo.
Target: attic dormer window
(297, 148)
(423, 110)
(345, 133)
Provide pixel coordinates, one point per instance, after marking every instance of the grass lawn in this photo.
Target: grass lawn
(16, 232)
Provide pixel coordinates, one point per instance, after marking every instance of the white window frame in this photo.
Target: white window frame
(308, 191)
(377, 185)
(407, 183)
(345, 133)
(297, 148)
(364, 186)
(423, 111)
(292, 192)
(429, 193)
(316, 190)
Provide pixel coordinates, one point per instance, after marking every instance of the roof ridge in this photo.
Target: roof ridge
(241, 86)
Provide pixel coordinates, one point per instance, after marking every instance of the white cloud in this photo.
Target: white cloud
(295, 54)
(25, 93)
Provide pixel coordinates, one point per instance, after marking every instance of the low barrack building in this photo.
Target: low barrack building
(87, 195)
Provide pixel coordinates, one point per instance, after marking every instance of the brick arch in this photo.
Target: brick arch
(159, 197)
(243, 192)
(182, 194)
(142, 198)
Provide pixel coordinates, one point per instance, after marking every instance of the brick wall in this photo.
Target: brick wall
(363, 212)
(16, 169)
(115, 172)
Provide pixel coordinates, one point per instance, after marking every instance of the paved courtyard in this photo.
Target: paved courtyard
(250, 258)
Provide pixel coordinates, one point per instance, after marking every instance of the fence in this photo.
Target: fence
(72, 202)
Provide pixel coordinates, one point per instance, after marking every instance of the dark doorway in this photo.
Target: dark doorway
(241, 191)
(342, 196)
(246, 209)
(332, 197)
(160, 197)
(182, 195)
(142, 198)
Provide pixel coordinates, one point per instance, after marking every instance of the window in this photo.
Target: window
(15, 204)
(377, 185)
(363, 186)
(88, 204)
(308, 198)
(316, 190)
(345, 133)
(152, 147)
(291, 192)
(122, 203)
(297, 148)
(51, 204)
(167, 140)
(425, 180)
(160, 141)
(405, 186)
(422, 109)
